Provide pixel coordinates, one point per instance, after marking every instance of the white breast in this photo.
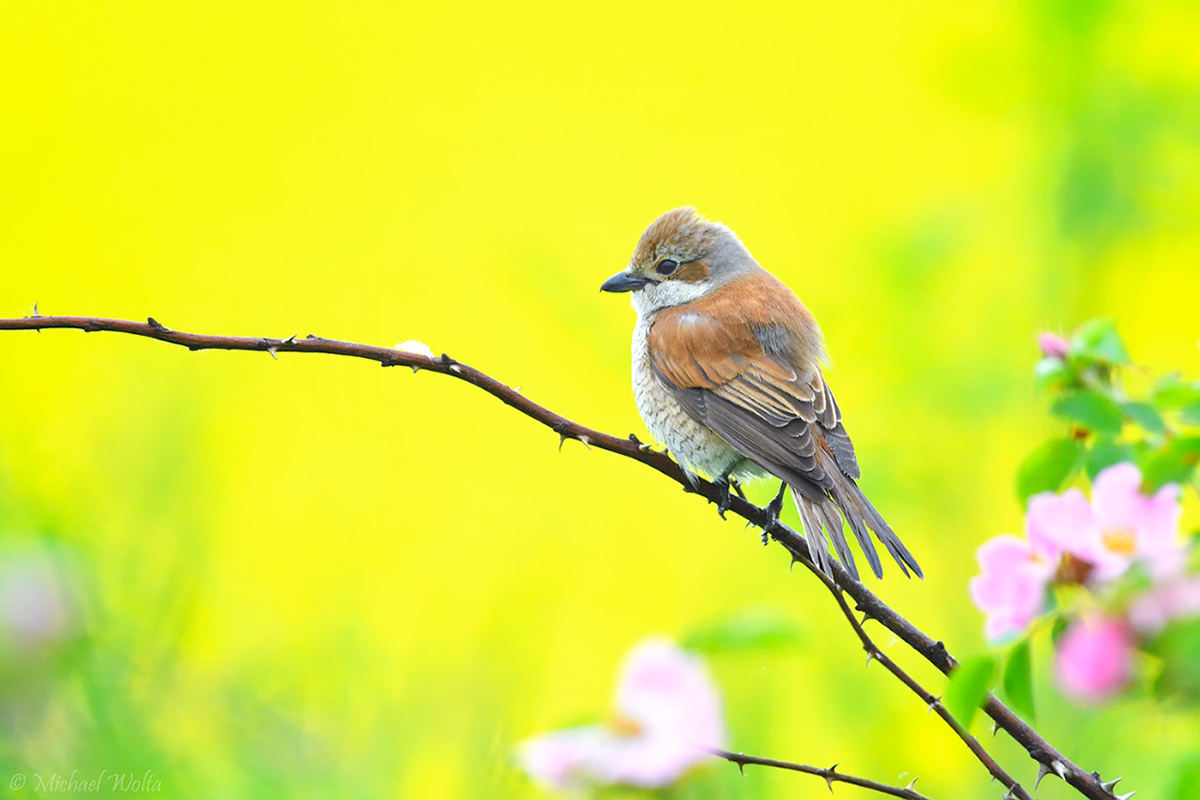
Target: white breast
(693, 445)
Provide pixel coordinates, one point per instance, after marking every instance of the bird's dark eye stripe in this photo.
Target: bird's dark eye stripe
(666, 266)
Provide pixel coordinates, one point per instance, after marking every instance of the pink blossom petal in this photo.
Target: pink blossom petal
(671, 715)
(668, 692)
(1095, 659)
(1117, 497)
(1175, 598)
(561, 759)
(1158, 532)
(1061, 523)
(1053, 346)
(1011, 590)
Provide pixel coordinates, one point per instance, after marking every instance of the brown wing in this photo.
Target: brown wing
(745, 364)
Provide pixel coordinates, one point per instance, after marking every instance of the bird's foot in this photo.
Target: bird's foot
(727, 485)
(774, 509)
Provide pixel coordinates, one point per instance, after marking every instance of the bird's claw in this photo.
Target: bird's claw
(774, 509)
(727, 486)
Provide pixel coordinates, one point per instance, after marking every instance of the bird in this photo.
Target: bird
(727, 377)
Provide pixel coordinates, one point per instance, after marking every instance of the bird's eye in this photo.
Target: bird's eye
(666, 266)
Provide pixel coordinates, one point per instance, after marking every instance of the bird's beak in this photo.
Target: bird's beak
(623, 282)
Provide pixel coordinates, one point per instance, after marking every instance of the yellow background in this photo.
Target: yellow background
(318, 578)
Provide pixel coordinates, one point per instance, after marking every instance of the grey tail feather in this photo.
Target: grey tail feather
(883, 531)
(833, 523)
(817, 546)
(854, 515)
(860, 515)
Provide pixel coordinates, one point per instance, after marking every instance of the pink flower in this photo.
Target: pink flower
(1119, 527)
(1053, 346)
(1011, 590)
(668, 713)
(1175, 598)
(1095, 659)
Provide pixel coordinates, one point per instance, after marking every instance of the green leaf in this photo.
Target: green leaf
(1047, 468)
(1097, 340)
(751, 629)
(1058, 628)
(1191, 414)
(1147, 416)
(1018, 679)
(1179, 648)
(1104, 453)
(1094, 411)
(1051, 372)
(1172, 393)
(1172, 463)
(968, 686)
(1186, 785)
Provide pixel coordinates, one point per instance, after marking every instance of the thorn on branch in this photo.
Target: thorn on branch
(289, 340)
(158, 326)
(866, 614)
(1107, 786)
(1044, 770)
(561, 429)
(829, 776)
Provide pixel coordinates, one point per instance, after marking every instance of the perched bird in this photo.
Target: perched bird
(727, 375)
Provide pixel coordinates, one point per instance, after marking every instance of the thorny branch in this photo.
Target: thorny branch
(830, 774)
(1049, 759)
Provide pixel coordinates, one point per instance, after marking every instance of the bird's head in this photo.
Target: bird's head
(681, 257)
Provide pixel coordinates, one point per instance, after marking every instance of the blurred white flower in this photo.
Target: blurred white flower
(36, 604)
(668, 713)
